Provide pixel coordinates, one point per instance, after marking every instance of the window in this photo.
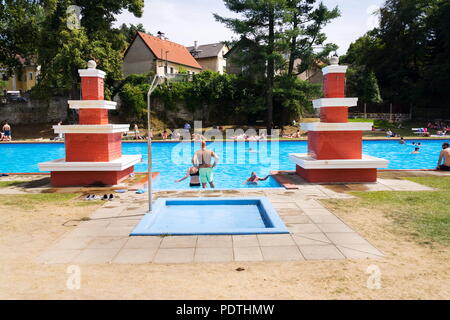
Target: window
(165, 69)
(31, 75)
(171, 70)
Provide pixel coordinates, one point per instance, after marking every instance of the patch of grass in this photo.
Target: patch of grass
(360, 120)
(425, 215)
(6, 184)
(32, 201)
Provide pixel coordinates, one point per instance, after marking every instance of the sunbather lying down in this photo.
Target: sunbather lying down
(254, 179)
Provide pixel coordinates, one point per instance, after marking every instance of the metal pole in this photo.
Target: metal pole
(149, 143)
(149, 155)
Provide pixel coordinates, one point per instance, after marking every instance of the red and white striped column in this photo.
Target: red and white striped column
(93, 147)
(334, 144)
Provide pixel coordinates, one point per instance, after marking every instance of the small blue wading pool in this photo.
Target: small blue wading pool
(207, 216)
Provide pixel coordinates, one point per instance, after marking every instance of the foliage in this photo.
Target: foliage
(363, 84)
(133, 95)
(276, 33)
(224, 95)
(294, 95)
(19, 31)
(39, 28)
(3, 85)
(304, 34)
(129, 31)
(408, 53)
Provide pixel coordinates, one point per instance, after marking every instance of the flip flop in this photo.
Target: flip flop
(88, 197)
(121, 191)
(111, 197)
(140, 191)
(105, 197)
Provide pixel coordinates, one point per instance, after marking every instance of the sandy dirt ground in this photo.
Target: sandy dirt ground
(409, 270)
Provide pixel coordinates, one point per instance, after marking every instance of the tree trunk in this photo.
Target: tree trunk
(293, 46)
(74, 91)
(270, 69)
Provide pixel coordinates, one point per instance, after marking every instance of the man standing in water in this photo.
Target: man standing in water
(445, 155)
(6, 132)
(202, 159)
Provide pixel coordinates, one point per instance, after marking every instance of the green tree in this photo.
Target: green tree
(274, 34)
(19, 31)
(39, 28)
(62, 51)
(400, 52)
(129, 31)
(436, 63)
(295, 96)
(3, 85)
(305, 23)
(363, 83)
(257, 24)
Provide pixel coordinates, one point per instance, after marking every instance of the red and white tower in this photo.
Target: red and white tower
(334, 144)
(93, 147)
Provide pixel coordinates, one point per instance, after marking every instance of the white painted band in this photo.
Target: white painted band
(92, 128)
(92, 104)
(120, 164)
(347, 126)
(91, 73)
(334, 69)
(367, 162)
(335, 102)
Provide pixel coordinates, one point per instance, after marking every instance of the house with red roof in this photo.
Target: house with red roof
(148, 53)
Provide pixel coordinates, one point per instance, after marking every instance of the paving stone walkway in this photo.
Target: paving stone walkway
(315, 233)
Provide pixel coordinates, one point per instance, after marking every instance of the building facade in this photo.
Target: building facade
(23, 78)
(148, 53)
(211, 56)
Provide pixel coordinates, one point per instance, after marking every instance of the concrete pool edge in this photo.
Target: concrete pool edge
(268, 214)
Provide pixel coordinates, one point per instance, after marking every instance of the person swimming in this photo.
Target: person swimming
(416, 150)
(402, 141)
(254, 178)
(194, 174)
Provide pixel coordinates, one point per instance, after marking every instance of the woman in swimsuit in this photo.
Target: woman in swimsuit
(195, 177)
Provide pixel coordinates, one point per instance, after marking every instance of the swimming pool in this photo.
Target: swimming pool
(171, 160)
(207, 216)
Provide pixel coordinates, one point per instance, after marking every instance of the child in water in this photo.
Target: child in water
(254, 179)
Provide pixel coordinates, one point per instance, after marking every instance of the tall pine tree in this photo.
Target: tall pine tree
(281, 32)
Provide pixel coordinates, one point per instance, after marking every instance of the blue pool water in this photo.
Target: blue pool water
(210, 216)
(171, 160)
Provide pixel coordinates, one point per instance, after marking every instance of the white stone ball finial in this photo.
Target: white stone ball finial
(92, 64)
(334, 60)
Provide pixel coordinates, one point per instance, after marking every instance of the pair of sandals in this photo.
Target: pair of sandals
(105, 197)
(4, 175)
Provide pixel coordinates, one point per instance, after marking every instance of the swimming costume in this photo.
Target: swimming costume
(206, 175)
(7, 133)
(195, 174)
(194, 184)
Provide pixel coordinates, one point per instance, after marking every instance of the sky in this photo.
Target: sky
(184, 21)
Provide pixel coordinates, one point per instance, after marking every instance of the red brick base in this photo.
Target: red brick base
(337, 175)
(85, 147)
(77, 178)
